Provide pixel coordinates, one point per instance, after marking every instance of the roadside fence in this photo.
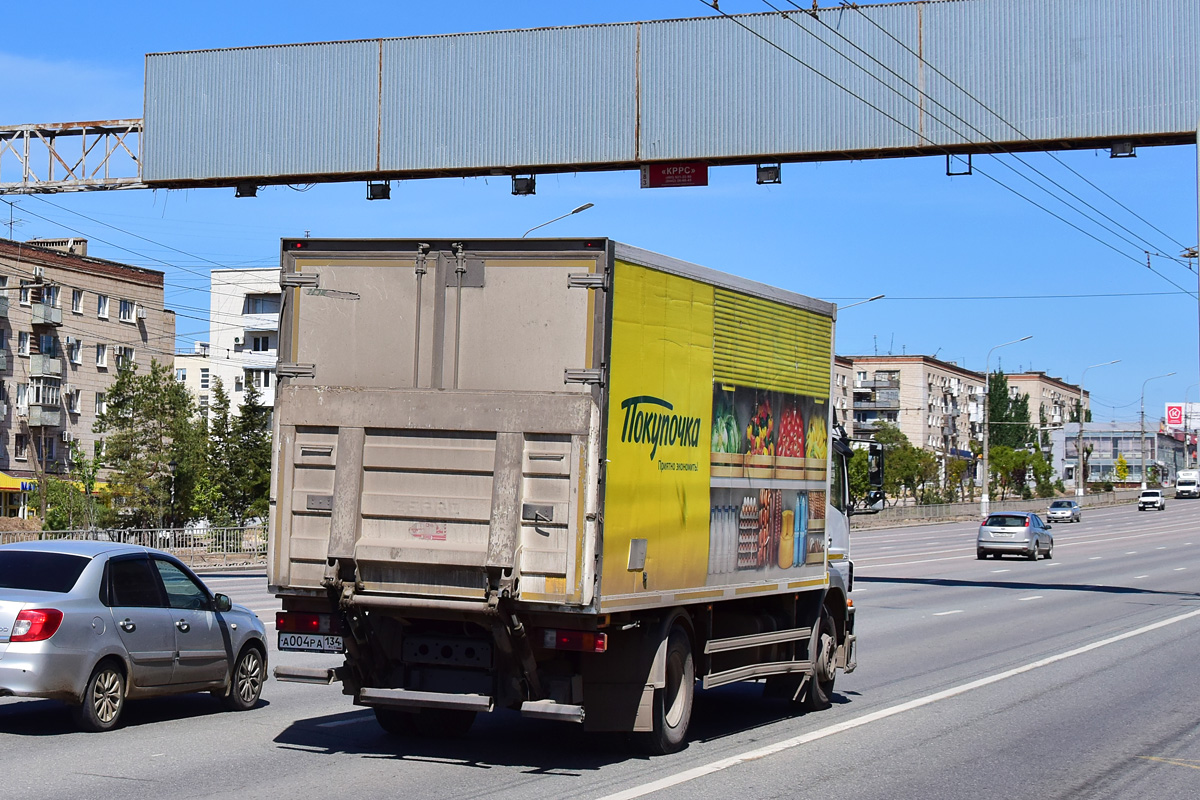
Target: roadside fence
(199, 548)
(899, 516)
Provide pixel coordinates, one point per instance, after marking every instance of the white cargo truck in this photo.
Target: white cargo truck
(567, 477)
(1186, 483)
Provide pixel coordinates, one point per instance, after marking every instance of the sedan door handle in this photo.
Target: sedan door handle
(183, 626)
(127, 625)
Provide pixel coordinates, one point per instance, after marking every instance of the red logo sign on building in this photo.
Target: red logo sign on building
(1175, 414)
(678, 173)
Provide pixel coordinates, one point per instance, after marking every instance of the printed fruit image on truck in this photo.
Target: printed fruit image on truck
(567, 477)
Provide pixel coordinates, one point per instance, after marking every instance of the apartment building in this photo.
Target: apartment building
(1107, 442)
(842, 396)
(936, 404)
(244, 331)
(194, 371)
(67, 323)
(1052, 397)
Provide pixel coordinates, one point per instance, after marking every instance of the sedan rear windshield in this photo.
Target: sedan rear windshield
(41, 572)
(1007, 521)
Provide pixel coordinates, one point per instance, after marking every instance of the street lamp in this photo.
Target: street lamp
(1080, 477)
(1143, 448)
(1187, 459)
(987, 385)
(583, 207)
(860, 302)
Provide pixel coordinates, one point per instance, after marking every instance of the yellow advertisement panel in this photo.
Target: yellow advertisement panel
(659, 423)
(717, 438)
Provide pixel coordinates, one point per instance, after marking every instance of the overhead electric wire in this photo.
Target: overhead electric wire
(789, 16)
(917, 133)
(1017, 130)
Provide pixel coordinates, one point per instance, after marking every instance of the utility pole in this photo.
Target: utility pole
(1143, 443)
(984, 500)
(1080, 467)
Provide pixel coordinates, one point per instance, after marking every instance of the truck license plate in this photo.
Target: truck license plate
(310, 643)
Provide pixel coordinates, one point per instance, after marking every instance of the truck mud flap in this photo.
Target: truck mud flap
(847, 655)
(321, 677)
(407, 698)
(548, 709)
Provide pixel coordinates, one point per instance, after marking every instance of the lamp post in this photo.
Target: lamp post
(583, 207)
(1143, 416)
(860, 302)
(1080, 477)
(1187, 459)
(171, 465)
(984, 501)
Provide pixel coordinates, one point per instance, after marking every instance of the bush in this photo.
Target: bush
(1059, 487)
(1108, 487)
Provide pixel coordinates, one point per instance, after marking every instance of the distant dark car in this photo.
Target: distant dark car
(1018, 532)
(1064, 511)
(94, 623)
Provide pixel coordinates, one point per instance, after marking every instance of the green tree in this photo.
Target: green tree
(152, 445)
(252, 435)
(1121, 468)
(857, 468)
(956, 475)
(216, 491)
(1008, 418)
(1074, 417)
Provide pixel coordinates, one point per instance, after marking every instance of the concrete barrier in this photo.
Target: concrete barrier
(902, 516)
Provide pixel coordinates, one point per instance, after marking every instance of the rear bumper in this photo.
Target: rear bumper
(1004, 547)
(39, 669)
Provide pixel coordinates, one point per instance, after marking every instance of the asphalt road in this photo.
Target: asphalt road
(1066, 678)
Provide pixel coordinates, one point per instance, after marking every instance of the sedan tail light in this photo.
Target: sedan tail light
(36, 624)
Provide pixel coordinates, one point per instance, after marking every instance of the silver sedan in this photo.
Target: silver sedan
(96, 623)
(1016, 532)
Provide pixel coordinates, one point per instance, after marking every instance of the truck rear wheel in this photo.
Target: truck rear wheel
(395, 721)
(442, 723)
(673, 702)
(819, 693)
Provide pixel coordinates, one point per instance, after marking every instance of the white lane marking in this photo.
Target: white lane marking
(1158, 548)
(1132, 553)
(1139, 577)
(997, 571)
(1180, 569)
(1032, 597)
(944, 613)
(850, 724)
(1095, 558)
(340, 722)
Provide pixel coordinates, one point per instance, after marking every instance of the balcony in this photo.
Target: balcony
(45, 417)
(4, 307)
(877, 384)
(260, 322)
(47, 315)
(3, 360)
(870, 404)
(43, 366)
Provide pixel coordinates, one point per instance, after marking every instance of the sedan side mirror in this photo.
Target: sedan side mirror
(223, 602)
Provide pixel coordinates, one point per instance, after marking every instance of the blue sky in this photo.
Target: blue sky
(838, 231)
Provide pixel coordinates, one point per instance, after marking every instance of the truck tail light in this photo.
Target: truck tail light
(36, 624)
(306, 622)
(582, 641)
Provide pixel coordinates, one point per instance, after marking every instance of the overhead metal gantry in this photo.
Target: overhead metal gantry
(938, 77)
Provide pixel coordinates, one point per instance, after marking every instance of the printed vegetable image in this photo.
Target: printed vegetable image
(725, 437)
(817, 443)
(791, 432)
(759, 431)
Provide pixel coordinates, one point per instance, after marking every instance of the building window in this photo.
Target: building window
(101, 405)
(25, 298)
(261, 378)
(204, 377)
(77, 301)
(262, 304)
(124, 357)
(181, 374)
(21, 447)
(74, 350)
(126, 311)
(23, 343)
(204, 402)
(46, 391)
(51, 450)
(22, 395)
(48, 345)
(102, 356)
(3, 339)
(260, 344)
(102, 306)
(73, 401)
(50, 296)
(98, 449)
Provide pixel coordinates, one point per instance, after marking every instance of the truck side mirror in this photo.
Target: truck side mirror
(875, 465)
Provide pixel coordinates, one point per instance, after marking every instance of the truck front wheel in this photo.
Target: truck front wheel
(819, 693)
(673, 702)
